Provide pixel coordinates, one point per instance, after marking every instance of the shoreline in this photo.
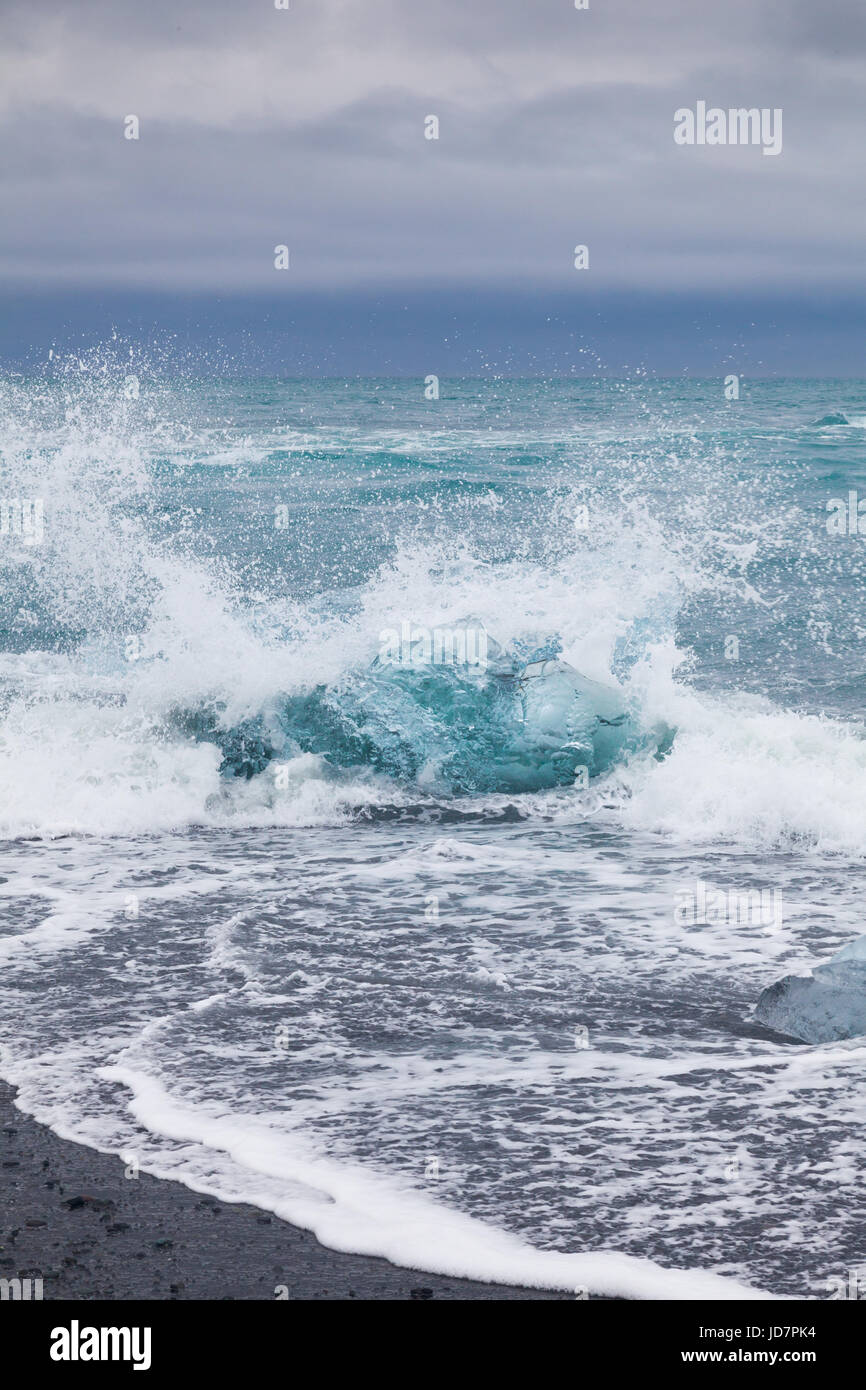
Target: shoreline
(70, 1217)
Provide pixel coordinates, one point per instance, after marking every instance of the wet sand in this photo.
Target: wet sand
(69, 1216)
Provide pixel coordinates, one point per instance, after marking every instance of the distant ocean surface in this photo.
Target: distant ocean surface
(352, 942)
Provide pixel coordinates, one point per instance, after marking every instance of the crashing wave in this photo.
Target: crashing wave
(505, 725)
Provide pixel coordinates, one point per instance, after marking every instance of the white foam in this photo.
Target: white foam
(350, 1210)
(58, 932)
(743, 770)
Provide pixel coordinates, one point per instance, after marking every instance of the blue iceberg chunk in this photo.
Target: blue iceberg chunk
(451, 711)
(826, 1006)
(504, 725)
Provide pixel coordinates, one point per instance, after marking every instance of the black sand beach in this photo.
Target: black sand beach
(68, 1215)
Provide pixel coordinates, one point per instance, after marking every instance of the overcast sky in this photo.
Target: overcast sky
(305, 127)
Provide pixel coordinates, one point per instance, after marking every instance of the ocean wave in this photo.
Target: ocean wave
(151, 680)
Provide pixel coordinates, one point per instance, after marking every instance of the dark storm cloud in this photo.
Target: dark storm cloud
(261, 127)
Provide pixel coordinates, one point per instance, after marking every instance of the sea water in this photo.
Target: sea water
(376, 947)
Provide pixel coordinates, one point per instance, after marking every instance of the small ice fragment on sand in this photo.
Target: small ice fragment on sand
(826, 1006)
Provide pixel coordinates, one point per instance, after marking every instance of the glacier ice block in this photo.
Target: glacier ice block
(826, 1006)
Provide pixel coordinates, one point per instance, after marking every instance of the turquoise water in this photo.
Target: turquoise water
(393, 948)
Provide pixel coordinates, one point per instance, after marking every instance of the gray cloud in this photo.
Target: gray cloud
(260, 127)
